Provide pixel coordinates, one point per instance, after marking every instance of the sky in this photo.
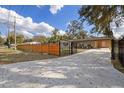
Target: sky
(32, 20)
(37, 20)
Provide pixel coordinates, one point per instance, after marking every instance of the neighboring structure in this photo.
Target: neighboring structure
(118, 51)
(71, 46)
(33, 43)
(93, 43)
(117, 27)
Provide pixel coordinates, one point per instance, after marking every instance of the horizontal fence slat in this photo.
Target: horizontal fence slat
(53, 49)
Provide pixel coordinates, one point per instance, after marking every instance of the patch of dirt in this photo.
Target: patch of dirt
(6, 62)
(22, 57)
(8, 56)
(117, 65)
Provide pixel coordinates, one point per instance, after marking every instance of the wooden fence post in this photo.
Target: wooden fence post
(112, 49)
(59, 48)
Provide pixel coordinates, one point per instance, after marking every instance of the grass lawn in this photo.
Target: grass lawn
(12, 56)
(118, 66)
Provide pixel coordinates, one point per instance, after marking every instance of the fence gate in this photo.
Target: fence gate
(114, 49)
(73, 47)
(68, 47)
(121, 51)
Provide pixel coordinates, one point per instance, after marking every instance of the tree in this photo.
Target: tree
(55, 32)
(64, 37)
(41, 39)
(44, 40)
(55, 37)
(100, 16)
(7, 43)
(75, 30)
(1, 40)
(11, 38)
(28, 40)
(81, 35)
(19, 38)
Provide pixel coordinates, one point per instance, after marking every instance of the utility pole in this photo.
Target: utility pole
(14, 26)
(15, 31)
(8, 30)
(8, 40)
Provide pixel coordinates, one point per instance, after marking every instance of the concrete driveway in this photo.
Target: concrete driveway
(91, 68)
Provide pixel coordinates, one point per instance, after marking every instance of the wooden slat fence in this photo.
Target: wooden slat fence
(121, 51)
(51, 48)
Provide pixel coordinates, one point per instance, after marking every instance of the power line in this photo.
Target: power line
(2, 26)
(8, 26)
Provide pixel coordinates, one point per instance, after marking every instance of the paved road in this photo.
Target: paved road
(91, 68)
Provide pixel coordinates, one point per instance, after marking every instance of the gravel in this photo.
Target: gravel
(89, 69)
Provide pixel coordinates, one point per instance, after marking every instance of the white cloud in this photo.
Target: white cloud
(38, 34)
(39, 6)
(61, 32)
(25, 25)
(3, 36)
(118, 32)
(26, 34)
(55, 8)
